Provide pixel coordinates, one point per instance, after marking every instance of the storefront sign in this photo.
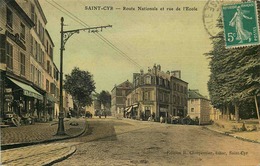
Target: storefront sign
(9, 97)
(31, 94)
(8, 90)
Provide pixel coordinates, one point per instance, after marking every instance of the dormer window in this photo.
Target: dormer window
(148, 79)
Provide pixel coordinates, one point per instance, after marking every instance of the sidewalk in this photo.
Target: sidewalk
(12, 137)
(37, 135)
(233, 129)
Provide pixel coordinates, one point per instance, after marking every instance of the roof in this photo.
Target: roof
(194, 94)
(41, 11)
(21, 12)
(47, 33)
(123, 85)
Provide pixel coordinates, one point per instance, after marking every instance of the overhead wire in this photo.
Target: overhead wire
(101, 37)
(75, 18)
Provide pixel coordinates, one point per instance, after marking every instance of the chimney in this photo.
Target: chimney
(141, 71)
(176, 73)
(159, 67)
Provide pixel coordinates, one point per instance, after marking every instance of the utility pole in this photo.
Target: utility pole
(65, 35)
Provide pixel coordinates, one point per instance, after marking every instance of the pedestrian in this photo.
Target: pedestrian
(149, 119)
(161, 119)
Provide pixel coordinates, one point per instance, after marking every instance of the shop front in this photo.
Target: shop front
(50, 105)
(21, 99)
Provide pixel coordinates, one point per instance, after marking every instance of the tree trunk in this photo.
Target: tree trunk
(257, 109)
(224, 112)
(236, 112)
(78, 110)
(228, 112)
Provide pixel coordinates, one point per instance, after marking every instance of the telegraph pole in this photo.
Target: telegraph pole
(65, 35)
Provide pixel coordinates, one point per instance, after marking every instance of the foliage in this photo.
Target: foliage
(105, 98)
(80, 84)
(235, 75)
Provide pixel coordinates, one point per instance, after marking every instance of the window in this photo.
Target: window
(9, 55)
(192, 110)
(47, 46)
(9, 18)
(174, 99)
(22, 33)
(148, 80)
(31, 43)
(22, 64)
(39, 78)
(40, 55)
(160, 81)
(161, 96)
(178, 100)
(42, 85)
(47, 85)
(51, 53)
(53, 88)
(181, 89)
(35, 22)
(147, 96)
(32, 73)
(48, 66)
(174, 86)
(50, 71)
(42, 60)
(166, 97)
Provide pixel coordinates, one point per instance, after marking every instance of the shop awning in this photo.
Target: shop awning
(129, 109)
(27, 89)
(135, 105)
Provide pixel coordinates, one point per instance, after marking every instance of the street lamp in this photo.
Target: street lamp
(65, 35)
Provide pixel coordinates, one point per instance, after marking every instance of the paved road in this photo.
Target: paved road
(129, 142)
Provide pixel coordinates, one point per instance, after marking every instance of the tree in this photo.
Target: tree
(80, 84)
(105, 98)
(234, 75)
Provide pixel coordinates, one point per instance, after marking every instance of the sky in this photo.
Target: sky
(177, 40)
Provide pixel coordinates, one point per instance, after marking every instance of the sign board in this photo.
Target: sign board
(8, 90)
(9, 97)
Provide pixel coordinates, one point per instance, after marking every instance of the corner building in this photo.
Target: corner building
(157, 93)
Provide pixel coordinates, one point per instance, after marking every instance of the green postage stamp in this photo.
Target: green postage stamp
(240, 24)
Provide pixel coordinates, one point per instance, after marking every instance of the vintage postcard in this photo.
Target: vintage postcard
(130, 82)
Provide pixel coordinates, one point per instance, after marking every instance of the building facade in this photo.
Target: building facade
(118, 98)
(157, 93)
(29, 77)
(199, 107)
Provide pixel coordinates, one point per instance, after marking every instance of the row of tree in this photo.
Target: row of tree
(234, 83)
(81, 85)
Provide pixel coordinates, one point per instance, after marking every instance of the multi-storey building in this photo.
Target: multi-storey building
(157, 93)
(67, 103)
(198, 106)
(118, 97)
(17, 92)
(27, 62)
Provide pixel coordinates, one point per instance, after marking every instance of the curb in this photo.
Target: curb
(232, 135)
(18, 145)
(58, 159)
